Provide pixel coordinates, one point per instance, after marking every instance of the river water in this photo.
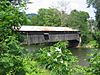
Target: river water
(80, 53)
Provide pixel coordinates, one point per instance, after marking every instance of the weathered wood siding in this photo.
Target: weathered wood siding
(32, 38)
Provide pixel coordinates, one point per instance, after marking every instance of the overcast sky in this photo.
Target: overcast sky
(71, 5)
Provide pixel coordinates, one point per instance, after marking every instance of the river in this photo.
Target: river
(80, 53)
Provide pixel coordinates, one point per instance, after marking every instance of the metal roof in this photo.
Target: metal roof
(45, 28)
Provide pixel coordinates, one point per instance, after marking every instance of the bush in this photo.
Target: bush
(93, 44)
(15, 60)
(11, 57)
(95, 63)
(31, 67)
(57, 58)
(97, 38)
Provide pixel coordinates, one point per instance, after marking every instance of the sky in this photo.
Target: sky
(79, 5)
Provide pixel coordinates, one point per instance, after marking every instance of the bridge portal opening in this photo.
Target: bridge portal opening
(73, 43)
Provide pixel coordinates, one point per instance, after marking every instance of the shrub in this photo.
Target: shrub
(11, 57)
(95, 63)
(92, 44)
(13, 60)
(31, 67)
(57, 58)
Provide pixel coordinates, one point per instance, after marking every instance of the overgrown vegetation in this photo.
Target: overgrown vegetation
(13, 57)
(58, 59)
(53, 60)
(96, 4)
(95, 63)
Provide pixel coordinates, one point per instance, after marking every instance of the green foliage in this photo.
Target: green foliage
(13, 57)
(31, 67)
(10, 56)
(9, 17)
(97, 38)
(47, 17)
(80, 70)
(10, 64)
(78, 20)
(57, 58)
(15, 60)
(92, 44)
(53, 17)
(96, 5)
(11, 46)
(60, 61)
(95, 63)
(34, 20)
(92, 25)
(10, 50)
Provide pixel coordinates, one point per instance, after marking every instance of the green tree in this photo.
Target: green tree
(96, 5)
(92, 25)
(10, 50)
(47, 17)
(14, 59)
(35, 20)
(79, 20)
(53, 17)
(97, 38)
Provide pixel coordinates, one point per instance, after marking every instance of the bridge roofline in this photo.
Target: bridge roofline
(45, 28)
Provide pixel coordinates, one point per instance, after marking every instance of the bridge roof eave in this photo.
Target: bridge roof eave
(45, 28)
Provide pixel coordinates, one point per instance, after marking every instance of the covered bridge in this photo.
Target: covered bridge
(41, 34)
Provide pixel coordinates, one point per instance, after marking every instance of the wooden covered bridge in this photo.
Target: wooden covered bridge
(41, 34)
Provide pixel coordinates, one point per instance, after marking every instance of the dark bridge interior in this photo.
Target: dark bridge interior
(73, 43)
